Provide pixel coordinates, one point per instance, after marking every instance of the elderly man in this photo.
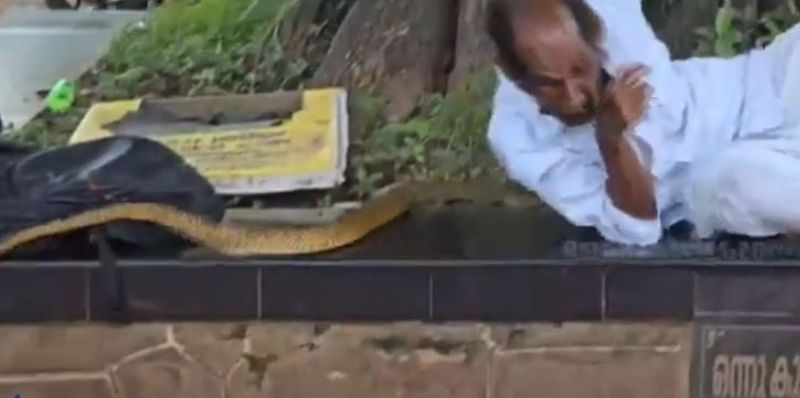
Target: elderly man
(593, 115)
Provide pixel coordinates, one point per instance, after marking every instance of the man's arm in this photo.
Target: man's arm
(571, 183)
(630, 185)
(629, 39)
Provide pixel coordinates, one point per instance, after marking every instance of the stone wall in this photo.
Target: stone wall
(345, 361)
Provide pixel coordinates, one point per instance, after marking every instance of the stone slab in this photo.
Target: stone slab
(589, 374)
(280, 340)
(166, 374)
(525, 336)
(64, 348)
(91, 388)
(217, 346)
(385, 360)
(590, 360)
(379, 362)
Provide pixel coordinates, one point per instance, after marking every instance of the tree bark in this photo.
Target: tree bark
(675, 22)
(399, 48)
(474, 52)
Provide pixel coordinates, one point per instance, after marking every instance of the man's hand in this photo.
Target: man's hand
(624, 102)
(629, 185)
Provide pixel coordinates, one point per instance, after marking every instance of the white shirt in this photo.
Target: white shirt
(698, 105)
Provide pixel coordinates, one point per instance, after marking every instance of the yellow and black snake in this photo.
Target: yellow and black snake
(234, 240)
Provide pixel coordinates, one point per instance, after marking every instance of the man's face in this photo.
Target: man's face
(564, 71)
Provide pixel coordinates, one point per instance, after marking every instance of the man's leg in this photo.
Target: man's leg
(785, 53)
(751, 189)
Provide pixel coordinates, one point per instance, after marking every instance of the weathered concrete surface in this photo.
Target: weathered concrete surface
(343, 361)
(589, 374)
(603, 361)
(166, 374)
(514, 337)
(218, 347)
(31, 349)
(397, 361)
(77, 388)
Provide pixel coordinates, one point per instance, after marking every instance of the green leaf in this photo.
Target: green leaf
(417, 127)
(771, 26)
(725, 18)
(265, 10)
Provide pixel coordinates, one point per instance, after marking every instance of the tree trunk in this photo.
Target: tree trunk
(399, 48)
(675, 22)
(474, 52)
(308, 30)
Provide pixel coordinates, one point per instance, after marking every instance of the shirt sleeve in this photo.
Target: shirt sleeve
(629, 39)
(565, 181)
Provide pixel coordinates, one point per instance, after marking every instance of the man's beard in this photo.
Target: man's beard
(585, 116)
(588, 115)
(578, 119)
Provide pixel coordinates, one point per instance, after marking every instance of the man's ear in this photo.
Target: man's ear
(601, 53)
(511, 71)
(502, 67)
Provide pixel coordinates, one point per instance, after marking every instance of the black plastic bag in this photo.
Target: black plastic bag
(43, 186)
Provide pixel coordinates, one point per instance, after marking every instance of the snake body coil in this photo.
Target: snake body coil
(229, 239)
(236, 240)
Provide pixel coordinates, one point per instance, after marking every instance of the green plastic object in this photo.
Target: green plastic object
(61, 97)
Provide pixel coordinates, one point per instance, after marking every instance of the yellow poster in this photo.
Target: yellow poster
(307, 151)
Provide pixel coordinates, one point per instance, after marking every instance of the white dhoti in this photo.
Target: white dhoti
(752, 187)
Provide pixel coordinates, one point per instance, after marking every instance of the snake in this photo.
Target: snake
(239, 241)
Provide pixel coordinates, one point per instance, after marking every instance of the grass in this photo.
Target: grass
(209, 48)
(445, 140)
(185, 49)
(734, 31)
(48, 129)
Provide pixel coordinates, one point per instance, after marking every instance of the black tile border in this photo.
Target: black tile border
(749, 295)
(43, 294)
(377, 291)
(163, 293)
(345, 293)
(517, 293)
(638, 293)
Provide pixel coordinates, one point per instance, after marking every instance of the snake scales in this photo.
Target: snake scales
(234, 240)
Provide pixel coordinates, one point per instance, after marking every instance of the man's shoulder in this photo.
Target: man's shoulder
(615, 8)
(511, 102)
(509, 94)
